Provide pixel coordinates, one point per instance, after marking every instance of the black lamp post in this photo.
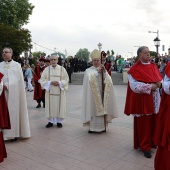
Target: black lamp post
(157, 44)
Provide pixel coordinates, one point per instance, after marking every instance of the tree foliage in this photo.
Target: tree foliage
(15, 12)
(19, 39)
(83, 53)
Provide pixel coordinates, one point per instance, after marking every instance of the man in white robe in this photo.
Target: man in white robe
(15, 95)
(96, 114)
(54, 80)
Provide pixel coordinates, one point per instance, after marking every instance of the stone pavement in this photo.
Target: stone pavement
(72, 148)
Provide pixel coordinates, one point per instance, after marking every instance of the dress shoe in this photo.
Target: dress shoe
(59, 125)
(13, 140)
(147, 154)
(49, 125)
(38, 106)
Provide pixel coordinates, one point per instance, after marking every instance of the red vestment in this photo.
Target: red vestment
(162, 133)
(4, 123)
(137, 103)
(38, 92)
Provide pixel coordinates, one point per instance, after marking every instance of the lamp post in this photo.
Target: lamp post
(156, 40)
(99, 46)
(157, 44)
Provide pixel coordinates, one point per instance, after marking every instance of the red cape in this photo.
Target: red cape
(141, 103)
(147, 73)
(166, 69)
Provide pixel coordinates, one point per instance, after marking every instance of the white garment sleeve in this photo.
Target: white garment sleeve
(61, 86)
(47, 85)
(139, 87)
(1, 87)
(166, 84)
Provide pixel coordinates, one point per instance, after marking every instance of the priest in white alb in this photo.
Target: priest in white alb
(97, 111)
(13, 85)
(54, 80)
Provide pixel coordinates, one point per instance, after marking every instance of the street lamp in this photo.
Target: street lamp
(157, 44)
(99, 46)
(156, 40)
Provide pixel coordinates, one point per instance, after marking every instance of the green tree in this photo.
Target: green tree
(15, 12)
(83, 53)
(19, 39)
(38, 54)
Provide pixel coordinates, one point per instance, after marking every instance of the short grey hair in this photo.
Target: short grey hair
(140, 49)
(9, 49)
(56, 56)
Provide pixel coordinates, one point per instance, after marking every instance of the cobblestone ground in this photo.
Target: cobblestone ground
(72, 148)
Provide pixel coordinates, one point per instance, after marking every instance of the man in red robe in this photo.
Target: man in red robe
(106, 63)
(162, 133)
(39, 94)
(143, 99)
(4, 120)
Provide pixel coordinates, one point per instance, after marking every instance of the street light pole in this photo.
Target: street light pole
(156, 41)
(99, 46)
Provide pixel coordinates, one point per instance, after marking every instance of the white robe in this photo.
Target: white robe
(55, 97)
(16, 99)
(93, 110)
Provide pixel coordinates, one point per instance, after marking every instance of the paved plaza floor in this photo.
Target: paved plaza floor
(71, 147)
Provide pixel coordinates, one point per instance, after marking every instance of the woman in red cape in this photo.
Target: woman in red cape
(4, 120)
(162, 135)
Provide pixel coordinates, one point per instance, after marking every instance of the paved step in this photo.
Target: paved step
(77, 78)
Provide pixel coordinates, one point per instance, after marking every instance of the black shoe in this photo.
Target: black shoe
(49, 125)
(59, 125)
(147, 154)
(13, 140)
(38, 106)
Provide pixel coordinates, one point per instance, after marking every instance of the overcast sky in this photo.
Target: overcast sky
(116, 24)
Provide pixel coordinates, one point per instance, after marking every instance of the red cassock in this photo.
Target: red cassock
(142, 104)
(4, 123)
(38, 92)
(162, 133)
(108, 66)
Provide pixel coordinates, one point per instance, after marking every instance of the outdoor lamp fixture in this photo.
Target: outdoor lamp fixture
(99, 46)
(157, 44)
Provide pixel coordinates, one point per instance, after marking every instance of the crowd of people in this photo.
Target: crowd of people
(148, 94)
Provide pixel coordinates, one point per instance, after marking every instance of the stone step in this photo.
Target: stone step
(117, 78)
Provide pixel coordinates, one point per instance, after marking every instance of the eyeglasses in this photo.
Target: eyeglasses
(5, 52)
(53, 59)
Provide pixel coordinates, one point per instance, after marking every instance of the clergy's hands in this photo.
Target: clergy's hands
(55, 83)
(102, 68)
(154, 86)
(158, 84)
